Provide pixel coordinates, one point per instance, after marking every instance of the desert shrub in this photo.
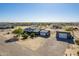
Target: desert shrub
(32, 35)
(69, 29)
(8, 33)
(77, 42)
(12, 26)
(78, 53)
(25, 36)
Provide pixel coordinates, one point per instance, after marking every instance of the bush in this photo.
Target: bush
(8, 33)
(32, 35)
(78, 53)
(69, 29)
(25, 36)
(77, 42)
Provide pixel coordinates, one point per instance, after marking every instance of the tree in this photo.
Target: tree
(18, 31)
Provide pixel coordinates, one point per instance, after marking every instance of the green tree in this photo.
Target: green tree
(18, 32)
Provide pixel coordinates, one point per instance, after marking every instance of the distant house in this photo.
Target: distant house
(64, 36)
(43, 33)
(6, 27)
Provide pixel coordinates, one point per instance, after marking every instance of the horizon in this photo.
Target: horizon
(39, 12)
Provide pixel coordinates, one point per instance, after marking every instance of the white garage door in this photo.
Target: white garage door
(63, 35)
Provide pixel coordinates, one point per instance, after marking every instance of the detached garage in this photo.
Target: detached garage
(64, 36)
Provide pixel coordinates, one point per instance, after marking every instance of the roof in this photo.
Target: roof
(36, 30)
(63, 32)
(44, 31)
(28, 29)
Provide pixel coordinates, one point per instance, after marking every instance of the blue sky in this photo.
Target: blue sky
(31, 12)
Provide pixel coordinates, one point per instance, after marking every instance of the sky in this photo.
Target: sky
(39, 12)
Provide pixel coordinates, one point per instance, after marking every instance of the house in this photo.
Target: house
(28, 30)
(64, 36)
(36, 31)
(39, 32)
(44, 33)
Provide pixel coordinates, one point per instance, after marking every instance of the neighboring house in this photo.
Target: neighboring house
(6, 27)
(64, 36)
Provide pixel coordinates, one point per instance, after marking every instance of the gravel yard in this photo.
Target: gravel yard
(32, 47)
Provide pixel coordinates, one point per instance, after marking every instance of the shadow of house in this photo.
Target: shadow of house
(65, 37)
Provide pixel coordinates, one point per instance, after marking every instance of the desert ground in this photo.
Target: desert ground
(35, 47)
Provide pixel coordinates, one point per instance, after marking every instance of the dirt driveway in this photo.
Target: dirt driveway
(50, 47)
(32, 47)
